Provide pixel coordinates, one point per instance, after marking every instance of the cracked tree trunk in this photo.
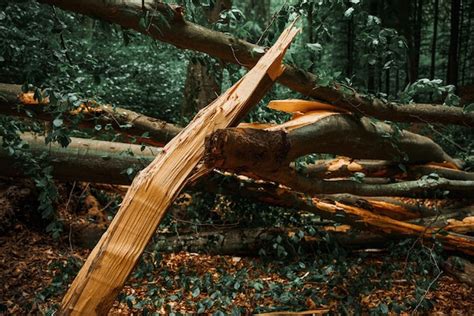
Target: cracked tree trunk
(154, 189)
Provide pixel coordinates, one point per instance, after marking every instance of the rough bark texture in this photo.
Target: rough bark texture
(233, 241)
(202, 85)
(371, 213)
(106, 162)
(184, 34)
(461, 268)
(155, 188)
(343, 167)
(340, 134)
(85, 160)
(14, 102)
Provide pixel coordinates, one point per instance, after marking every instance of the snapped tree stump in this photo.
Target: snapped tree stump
(109, 264)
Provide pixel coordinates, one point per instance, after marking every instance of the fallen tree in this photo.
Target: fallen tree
(14, 102)
(343, 167)
(90, 155)
(107, 162)
(267, 154)
(370, 212)
(235, 241)
(184, 34)
(155, 188)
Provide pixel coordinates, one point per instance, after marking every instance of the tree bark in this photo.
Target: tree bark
(234, 241)
(461, 268)
(152, 192)
(202, 85)
(272, 149)
(14, 102)
(106, 162)
(187, 35)
(452, 76)
(343, 167)
(435, 37)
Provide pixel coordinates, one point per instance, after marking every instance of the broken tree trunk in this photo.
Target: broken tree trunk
(154, 189)
(14, 102)
(186, 35)
(338, 134)
(343, 167)
(107, 162)
(355, 215)
(264, 154)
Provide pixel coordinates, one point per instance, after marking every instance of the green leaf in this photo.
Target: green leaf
(58, 122)
(258, 50)
(383, 309)
(349, 12)
(196, 292)
(469, 108)
(315, 47)
(258, 286)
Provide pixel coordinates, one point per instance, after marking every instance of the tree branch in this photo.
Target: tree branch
(186, 35)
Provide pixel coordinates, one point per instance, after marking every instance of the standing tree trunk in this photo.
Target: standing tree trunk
(350, 46)
(435, 37)
(417, 41)
(452, 75)
(202, 84)
(371, 88)
(466, 46)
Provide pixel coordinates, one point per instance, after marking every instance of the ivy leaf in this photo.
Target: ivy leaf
(315, 47)
(196, 292)
(130, 171)
(258, 50)
(469, 108)
(58, 122)
(349, 12)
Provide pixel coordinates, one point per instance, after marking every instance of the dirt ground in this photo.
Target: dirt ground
(31, 262)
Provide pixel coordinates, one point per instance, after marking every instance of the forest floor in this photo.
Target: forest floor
(35, 270)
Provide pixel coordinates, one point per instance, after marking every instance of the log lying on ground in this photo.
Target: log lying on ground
(338, 134)
(14, 102)
(461, 268)
(107, 162)
(155, 188)
(266, 155)
(269, 193)
(186, 35)
(233, 241)
(85, 160)
(240, 241)
(343, 167)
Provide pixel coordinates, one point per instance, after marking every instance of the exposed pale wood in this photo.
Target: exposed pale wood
(342, 167)
(154, 189)
(105, 162)
(303, 106)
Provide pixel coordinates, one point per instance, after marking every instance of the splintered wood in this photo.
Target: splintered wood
(108, 266)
